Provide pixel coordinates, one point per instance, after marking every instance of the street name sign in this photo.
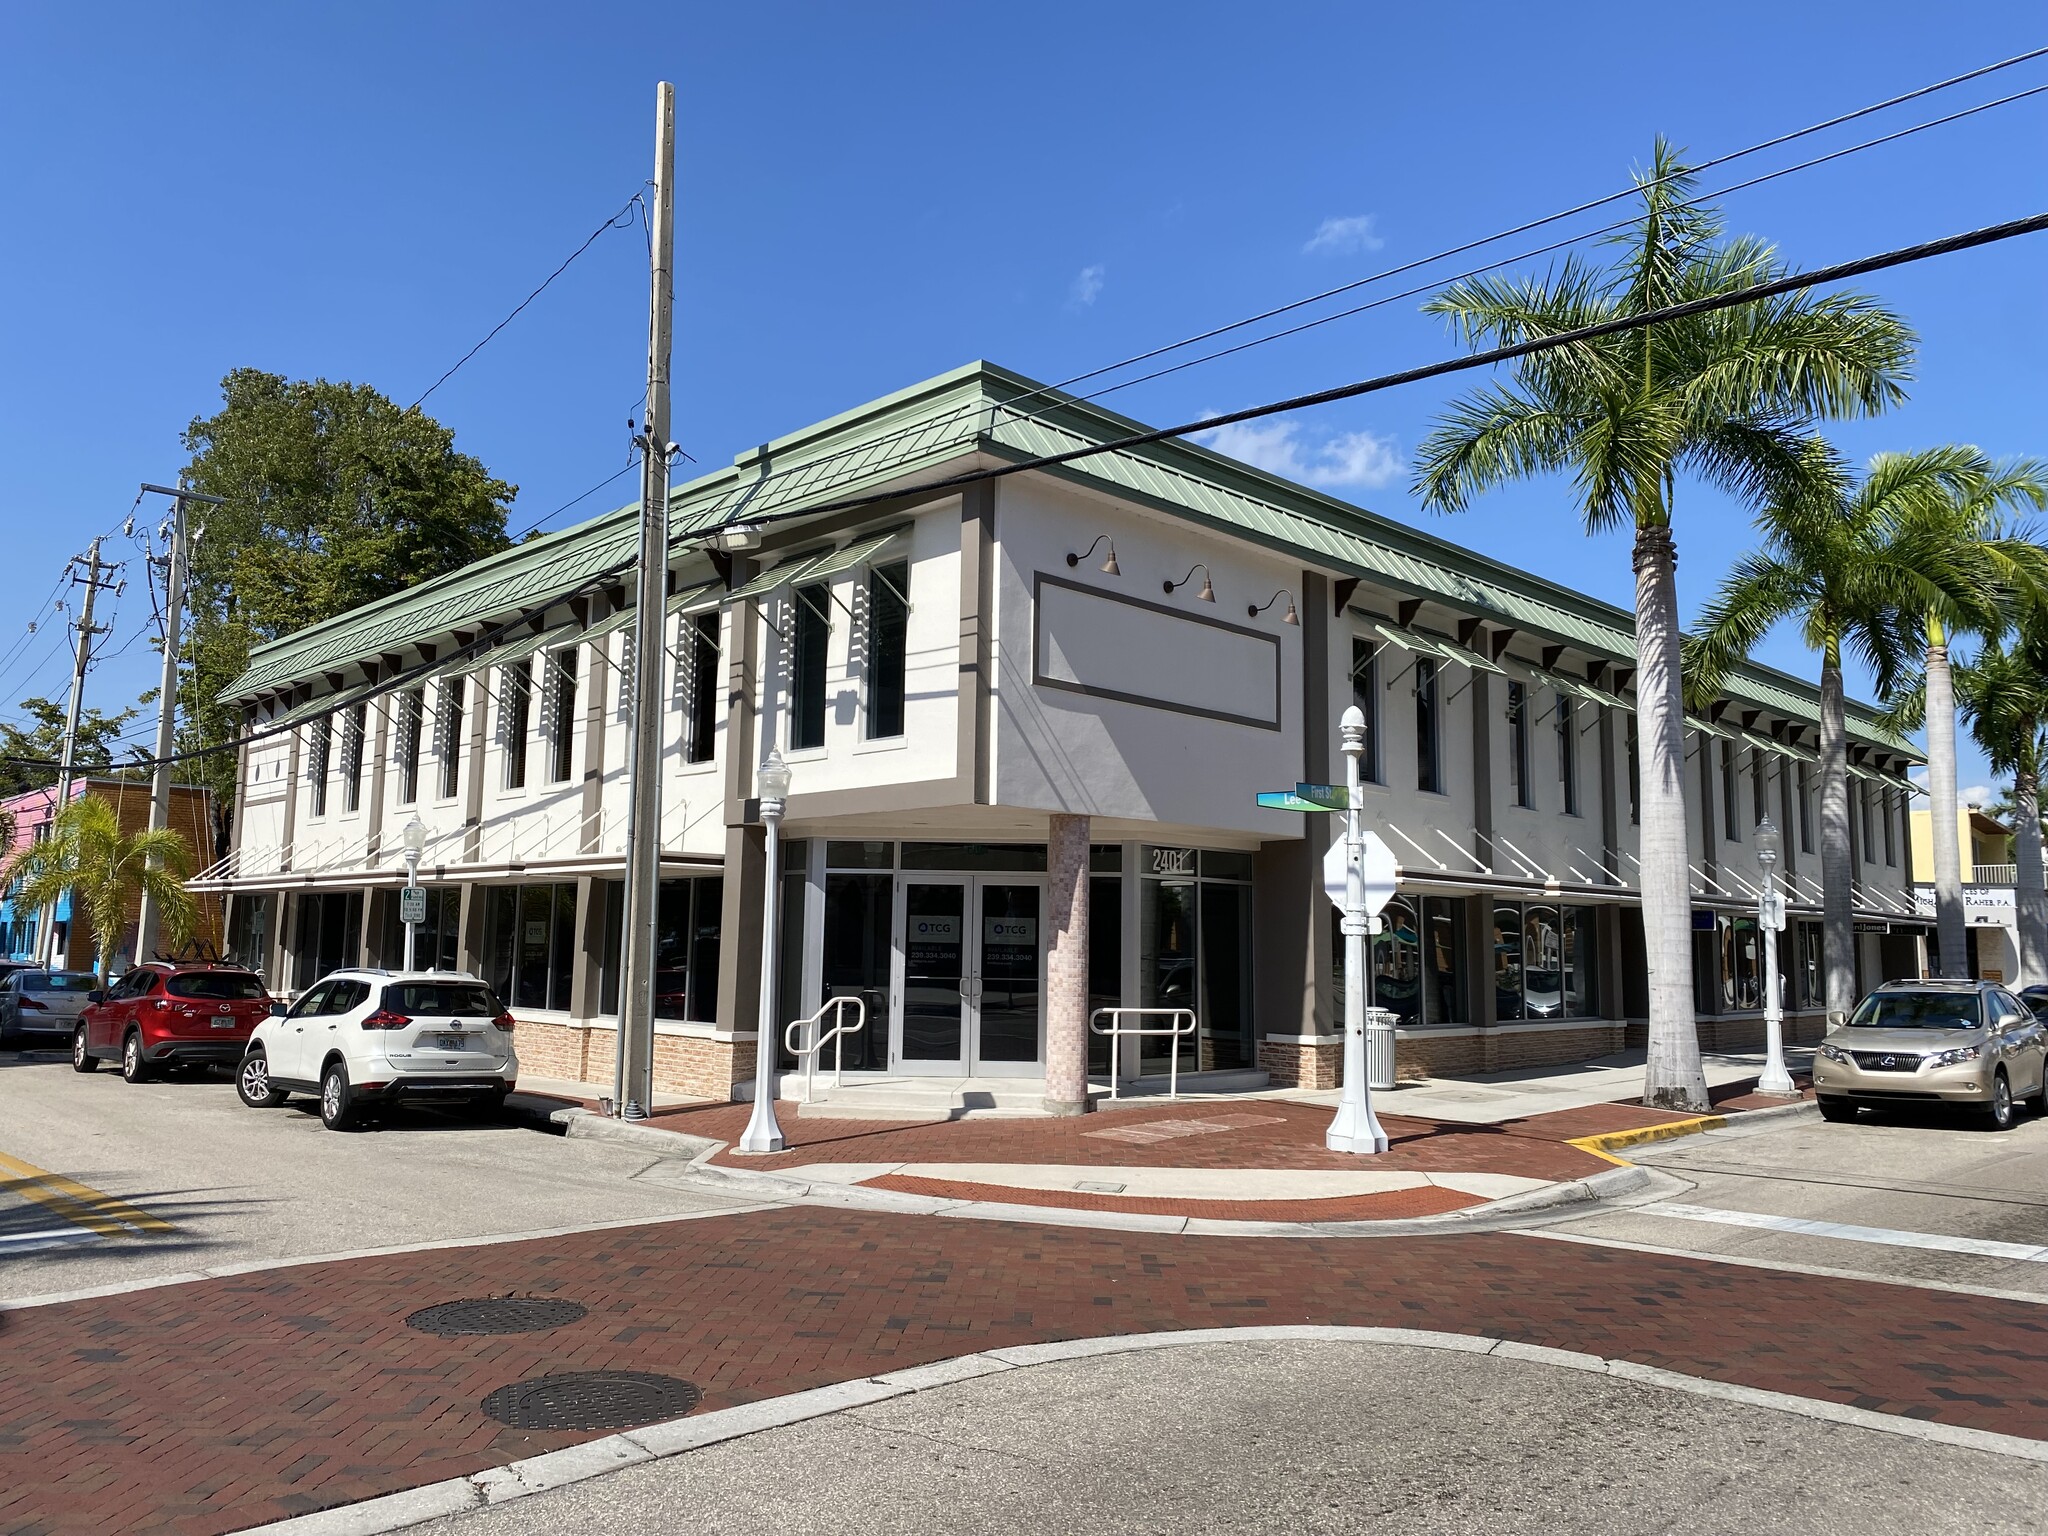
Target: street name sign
(1331, 797)
(1286, 800)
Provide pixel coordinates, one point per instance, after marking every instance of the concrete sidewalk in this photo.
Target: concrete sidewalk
(1494, 1098)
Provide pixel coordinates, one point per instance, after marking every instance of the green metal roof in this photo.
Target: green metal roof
(983, 409)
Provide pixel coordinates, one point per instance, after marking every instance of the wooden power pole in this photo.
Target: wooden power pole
(635, 1086)
(46, 937)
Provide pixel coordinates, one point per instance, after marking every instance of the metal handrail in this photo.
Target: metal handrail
(1116, 1031)
(833, 1037)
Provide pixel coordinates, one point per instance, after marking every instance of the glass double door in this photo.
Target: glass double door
(969, 992)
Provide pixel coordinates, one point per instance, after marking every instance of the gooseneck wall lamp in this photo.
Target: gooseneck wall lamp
(1108, 565)
(1208, 592)
(1289, 617)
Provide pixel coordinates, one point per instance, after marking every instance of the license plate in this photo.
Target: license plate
(450, 1042)
(223, 1021)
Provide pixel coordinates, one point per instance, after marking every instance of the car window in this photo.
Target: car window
(128, 986)
(346, 996)
(2005, 1002)
(454, 999)
(216, 986)
(312, 1002)
(1920, 1010)
(54, 981)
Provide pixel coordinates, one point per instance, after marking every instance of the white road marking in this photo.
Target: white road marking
(1890, 1237)
(46, 1237)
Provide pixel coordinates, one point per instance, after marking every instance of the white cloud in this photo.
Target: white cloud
(1360, 459)
(1344, 237)
(1087, 284)
(1977, 794)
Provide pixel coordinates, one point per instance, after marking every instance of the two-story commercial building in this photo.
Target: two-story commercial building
(1114, 654)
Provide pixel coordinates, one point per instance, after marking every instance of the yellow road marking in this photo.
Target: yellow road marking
(78, 1203)
(1607, 1143)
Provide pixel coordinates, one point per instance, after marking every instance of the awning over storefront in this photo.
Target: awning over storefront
(818, 565)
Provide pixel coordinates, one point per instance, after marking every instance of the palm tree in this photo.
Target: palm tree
(1853, 563)
(2004, 695)
(1727, 397)
(1967, 517)
(105, 871)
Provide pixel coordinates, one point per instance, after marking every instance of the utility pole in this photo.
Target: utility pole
(634, 1094)
(167, 691)
(46, 936)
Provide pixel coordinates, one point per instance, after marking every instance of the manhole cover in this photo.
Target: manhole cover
(592, 1400)
(495, 1314)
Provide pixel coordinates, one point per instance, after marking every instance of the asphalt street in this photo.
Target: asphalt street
(1929, 1197)
(1309, 1437)
(239, 1186)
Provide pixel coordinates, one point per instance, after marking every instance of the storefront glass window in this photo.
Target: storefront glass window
(249, 940)
(1105, 954)
(1226, 1016)
(857, 957)
(530, 943)
(1544, 961)
(434, 940)
(1507, 962)
(1167, 917)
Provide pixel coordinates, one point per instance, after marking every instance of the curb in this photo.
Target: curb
(1607, 1143)
(1605, 1185)
(590, 1126)
(658, 1442)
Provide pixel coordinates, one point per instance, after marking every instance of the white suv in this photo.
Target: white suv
(360, 1037)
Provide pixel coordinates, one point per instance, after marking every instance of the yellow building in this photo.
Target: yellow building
(1985, 841)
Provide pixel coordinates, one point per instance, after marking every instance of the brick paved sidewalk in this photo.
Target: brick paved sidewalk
(221, 1404)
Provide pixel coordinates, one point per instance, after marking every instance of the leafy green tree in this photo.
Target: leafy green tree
(2003, 693)
(106, 873)
(335, 496)
(1728, 398)
(1856, 564)
(43, 742)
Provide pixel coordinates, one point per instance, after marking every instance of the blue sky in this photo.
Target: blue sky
(871, 194)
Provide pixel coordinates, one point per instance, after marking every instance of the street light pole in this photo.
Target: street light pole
(763, 1134)
(1770, 917)
(1355, 1129)
(415, 843)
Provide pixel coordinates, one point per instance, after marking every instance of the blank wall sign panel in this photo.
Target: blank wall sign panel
(1112, 647)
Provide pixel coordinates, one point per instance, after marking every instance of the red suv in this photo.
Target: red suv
(168, 1013)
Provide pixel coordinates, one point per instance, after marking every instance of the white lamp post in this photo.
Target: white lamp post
(1355, 1128)
(1770, 917)
(414, 840)
(762, 1133)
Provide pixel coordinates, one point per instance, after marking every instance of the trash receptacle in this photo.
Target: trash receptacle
(1379, 1048)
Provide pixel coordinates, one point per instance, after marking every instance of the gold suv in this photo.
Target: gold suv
(1956, 1042)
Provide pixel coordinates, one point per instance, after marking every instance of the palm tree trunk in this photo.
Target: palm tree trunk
(1949, 925)
(1673, 1078)
(2030, 898)
(1838, 918)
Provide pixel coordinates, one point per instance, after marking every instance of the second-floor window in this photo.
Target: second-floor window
(515, 719)
(811, 628)
(1891, 844)
(1730, 827)
(1863, 799)
(1568, 753)
(1756, 785)
(448, 730)
(700, 675)
(412, 708)
(888, 647)
(1805, 809)
(1365, 693)
(1635, 775)
(1429, 757)
(1518, 742)
(353, 725)
(321, 738)
(560, 709)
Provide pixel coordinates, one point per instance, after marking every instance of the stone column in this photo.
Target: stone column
(1066, 966)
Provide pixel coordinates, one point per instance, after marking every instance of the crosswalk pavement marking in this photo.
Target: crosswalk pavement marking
(1890, 1237)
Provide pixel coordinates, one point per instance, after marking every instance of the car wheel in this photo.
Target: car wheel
(134, 1066)
(1837, 1110)
(252, 1082)
(337, 1111)
(82, 1060)
(1998, 1113)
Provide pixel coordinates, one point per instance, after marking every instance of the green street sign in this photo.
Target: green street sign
(1287, 800)
(1330, 797)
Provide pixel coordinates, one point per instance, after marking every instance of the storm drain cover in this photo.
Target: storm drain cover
(592, 1400)
(495, 1314)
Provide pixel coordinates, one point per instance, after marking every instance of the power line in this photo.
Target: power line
(1471, 245)
(617, 221)
(1558, 245)
(1793, 282)
(573, 500)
